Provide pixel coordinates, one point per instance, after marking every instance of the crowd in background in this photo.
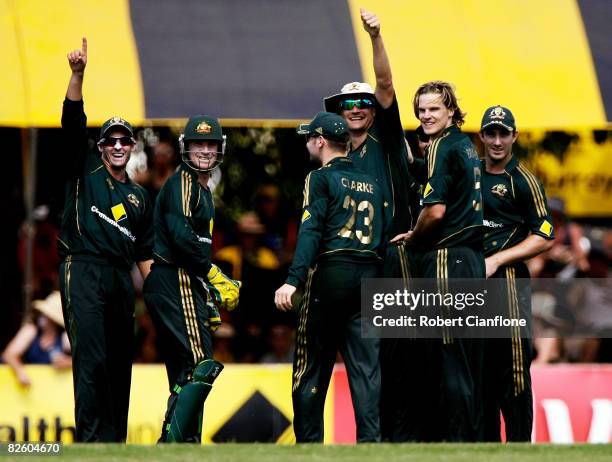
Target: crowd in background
(258, 202)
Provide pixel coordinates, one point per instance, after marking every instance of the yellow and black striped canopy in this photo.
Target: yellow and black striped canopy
(249, 61)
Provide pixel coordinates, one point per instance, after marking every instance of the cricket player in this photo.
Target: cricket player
(448, 237)
(377, 146)
(185, 288)
(339, 243)
(106, 228)
(518, 227)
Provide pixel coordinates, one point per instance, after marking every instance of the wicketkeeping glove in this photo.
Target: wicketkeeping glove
(224, 291)
(213, 320)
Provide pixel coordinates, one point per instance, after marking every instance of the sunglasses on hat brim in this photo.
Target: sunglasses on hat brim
(360, 103)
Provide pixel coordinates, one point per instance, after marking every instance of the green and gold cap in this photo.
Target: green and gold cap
(203, 127)
(116, 122)
(498, 115)
(326, 124)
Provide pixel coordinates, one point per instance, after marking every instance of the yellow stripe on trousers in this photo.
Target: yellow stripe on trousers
(404, 265)
(302, 340)
(189, 313)
(68, 310)
(517, 350)
(442, 282)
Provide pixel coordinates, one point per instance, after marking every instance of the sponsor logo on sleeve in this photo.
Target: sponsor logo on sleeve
(546, 228)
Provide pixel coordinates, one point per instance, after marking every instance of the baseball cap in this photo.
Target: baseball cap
(203, 127)
(326, 124)
(350, 90)
(115, 122)
(498, 115)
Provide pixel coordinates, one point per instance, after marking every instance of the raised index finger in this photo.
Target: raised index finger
(84, 46)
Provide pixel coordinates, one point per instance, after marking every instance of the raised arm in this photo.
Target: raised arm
(74, 120)
(77, 60)
(382, 68)
(16, 349)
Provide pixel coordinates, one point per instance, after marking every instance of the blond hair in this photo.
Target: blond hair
(447, 95)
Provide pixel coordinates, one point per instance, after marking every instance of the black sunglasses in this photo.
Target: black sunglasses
(112, 141)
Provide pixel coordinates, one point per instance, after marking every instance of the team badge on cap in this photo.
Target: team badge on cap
(497, 113)
(203, 127)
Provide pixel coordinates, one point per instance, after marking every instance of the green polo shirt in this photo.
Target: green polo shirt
(514, 207)
(184, 219)
(342, 217)
(383, 155)
(103, 218)
(453, 179)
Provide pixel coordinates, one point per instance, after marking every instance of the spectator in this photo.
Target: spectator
(162, 164)
(41, 340)
(45, 259)
(257, 266)
(280, 340)
(250, 250)
(280, 229)
(222, 343)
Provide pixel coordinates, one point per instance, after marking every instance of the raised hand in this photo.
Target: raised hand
(77, 59)
(370, 22)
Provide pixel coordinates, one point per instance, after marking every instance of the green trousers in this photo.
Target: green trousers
(507, 377)
(401, 366)
(330, 321)
(452, 383)
(177, 304)
(176, 301)
(98, 306)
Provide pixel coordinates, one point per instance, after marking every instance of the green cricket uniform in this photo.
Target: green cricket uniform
(453, 250)
(454, 173)
(106, 227)
(514, 207)
(384, 156)
(339, 243)
(174, 292)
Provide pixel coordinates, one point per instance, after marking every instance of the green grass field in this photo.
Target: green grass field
(318, 453)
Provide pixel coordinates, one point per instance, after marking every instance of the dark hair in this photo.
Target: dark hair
(447, 94)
